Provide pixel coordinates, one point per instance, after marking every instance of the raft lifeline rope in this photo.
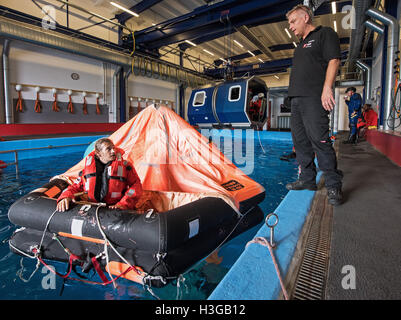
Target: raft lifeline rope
(180, 278)
(107, 242)
(36, 250)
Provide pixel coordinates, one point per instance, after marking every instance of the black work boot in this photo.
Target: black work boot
(301, 185)
(347, 140)
(351, 139)
(335, 196)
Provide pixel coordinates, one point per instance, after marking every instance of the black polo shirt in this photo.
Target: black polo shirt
(311, 58)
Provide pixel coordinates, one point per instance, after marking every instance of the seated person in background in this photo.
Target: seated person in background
(369, 117)
(367, 121)
(106, 178)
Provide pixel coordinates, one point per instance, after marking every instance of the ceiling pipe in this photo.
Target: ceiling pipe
(359, 8)
(95, 15)
(259, 44)
(127, 99)
(392, 48)
(13, 30)
(2, 106)
(369, 30)
(374, 26)
(115, 95)
(368, 78)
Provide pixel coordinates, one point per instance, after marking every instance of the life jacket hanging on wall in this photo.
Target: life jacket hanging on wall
(19, 107)
(97, 104)
(55, 107)
(85, 105)
(70, 107)
(38, 107)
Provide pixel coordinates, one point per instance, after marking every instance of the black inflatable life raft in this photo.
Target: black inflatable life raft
(162, 245)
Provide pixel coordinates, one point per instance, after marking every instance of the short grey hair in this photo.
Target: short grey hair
(102, 141)
(304, 8)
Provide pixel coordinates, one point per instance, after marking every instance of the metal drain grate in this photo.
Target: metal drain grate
(312, 275)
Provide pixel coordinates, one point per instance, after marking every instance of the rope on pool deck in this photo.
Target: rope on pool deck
(264, 242)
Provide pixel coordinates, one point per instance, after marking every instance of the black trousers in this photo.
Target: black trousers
(310, 135)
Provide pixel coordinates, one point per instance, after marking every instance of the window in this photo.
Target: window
(234, 93)
(199, 99)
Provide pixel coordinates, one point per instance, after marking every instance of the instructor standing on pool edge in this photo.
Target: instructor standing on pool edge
(314, 69)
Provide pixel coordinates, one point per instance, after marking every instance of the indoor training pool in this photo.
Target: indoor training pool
(199, 282)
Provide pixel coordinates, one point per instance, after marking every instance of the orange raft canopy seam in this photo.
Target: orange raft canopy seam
(171, 156)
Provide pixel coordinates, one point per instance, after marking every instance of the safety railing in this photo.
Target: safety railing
(32, 149)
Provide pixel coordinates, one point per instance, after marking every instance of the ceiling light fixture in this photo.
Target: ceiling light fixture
(288, 33)
(251, 53)
(333, 7)
(239, 44)
(208, 52)
(224, 60)
(277, 77)
(261, 60)
(295, 45)
(191, 43)
(335, 26)
(125, 9)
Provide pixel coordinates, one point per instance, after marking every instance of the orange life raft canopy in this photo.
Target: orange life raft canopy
(170, 156)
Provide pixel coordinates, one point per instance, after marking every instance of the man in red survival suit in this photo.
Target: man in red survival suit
(106, 178)
(368, 117)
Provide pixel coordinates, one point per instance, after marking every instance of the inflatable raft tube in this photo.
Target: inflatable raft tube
(163, 245)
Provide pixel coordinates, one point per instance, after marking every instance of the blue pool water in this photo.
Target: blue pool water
(268, 170)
